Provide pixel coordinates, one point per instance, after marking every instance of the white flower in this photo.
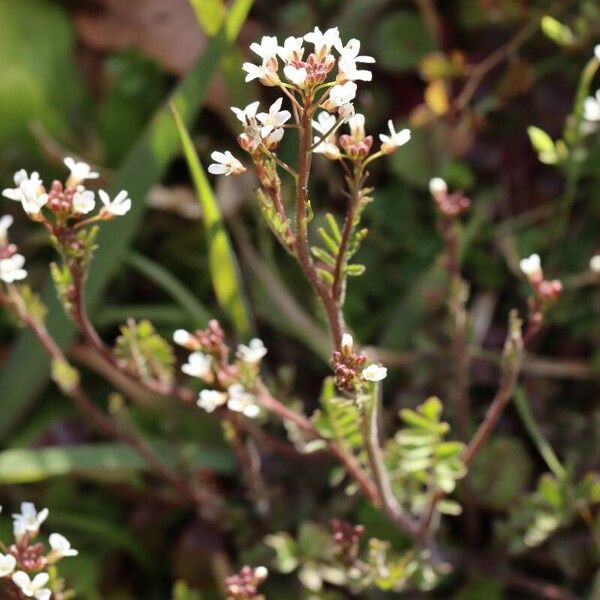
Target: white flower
(261, 573)
(324, 123)
(32, 588)
(61, 547)
(350, 51)
(120, 205)
(29, 192)
(267, 49)
(437, 186)
(242, 401)
(274, 118)
(184, 338)
(396, 138)
(357, 126)
(198, 365)
(5, 222)
(323, 42)
(83, 200)
(253, 352)
(211, 399)
(374, 373)
(348, 60)
(347, 344)
(80, 171)
(11, 268)
(274, 137)
(297, 75)
(247, 115)
(595, 263)
(591, 108)
(291, 50)
(225, 164)
(342, 94)
(7, 564)
(532, 267)
(28, 520)
(254, 71)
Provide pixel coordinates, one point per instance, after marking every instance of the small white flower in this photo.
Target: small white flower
(225, 164)
(291, 50)
(120, 205)
(83, 200)
(389, 143)
(342, 94)
(242, 401)
(209, 400)
(261, 573)
(274, 137)
(532, 267)
(323, 42)
(61, 547)
(5, 222)
(350, 51)
(274, 118)
(267, 49)
(198, 365)
(11, 268)
(32, 588)
(297, 75)
(184, 338)
(7, 564)
(254, 71)
(374, 373)
(28, 520)
(324, 123)
(437, 186)
(80, 171)
(347, 344)
(591, 108)
(595, 262)
(357, 126)
(348, 60)
(29, 192)
(247, 115)
(253, 352)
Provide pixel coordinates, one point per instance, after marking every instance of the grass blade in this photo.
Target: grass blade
(198, 314)
(224, 270)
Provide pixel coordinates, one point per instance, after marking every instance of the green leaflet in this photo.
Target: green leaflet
(340, 420)
(113, 460)
(145, 163)
(224, 269)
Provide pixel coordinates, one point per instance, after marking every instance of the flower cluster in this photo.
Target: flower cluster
(347, 539)
(70, 200)
(543, 289)
(231, 383)
(450, 205)
(11, 262)
(349, 367)
(244, 585)
(303, 75)
(25, 562)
